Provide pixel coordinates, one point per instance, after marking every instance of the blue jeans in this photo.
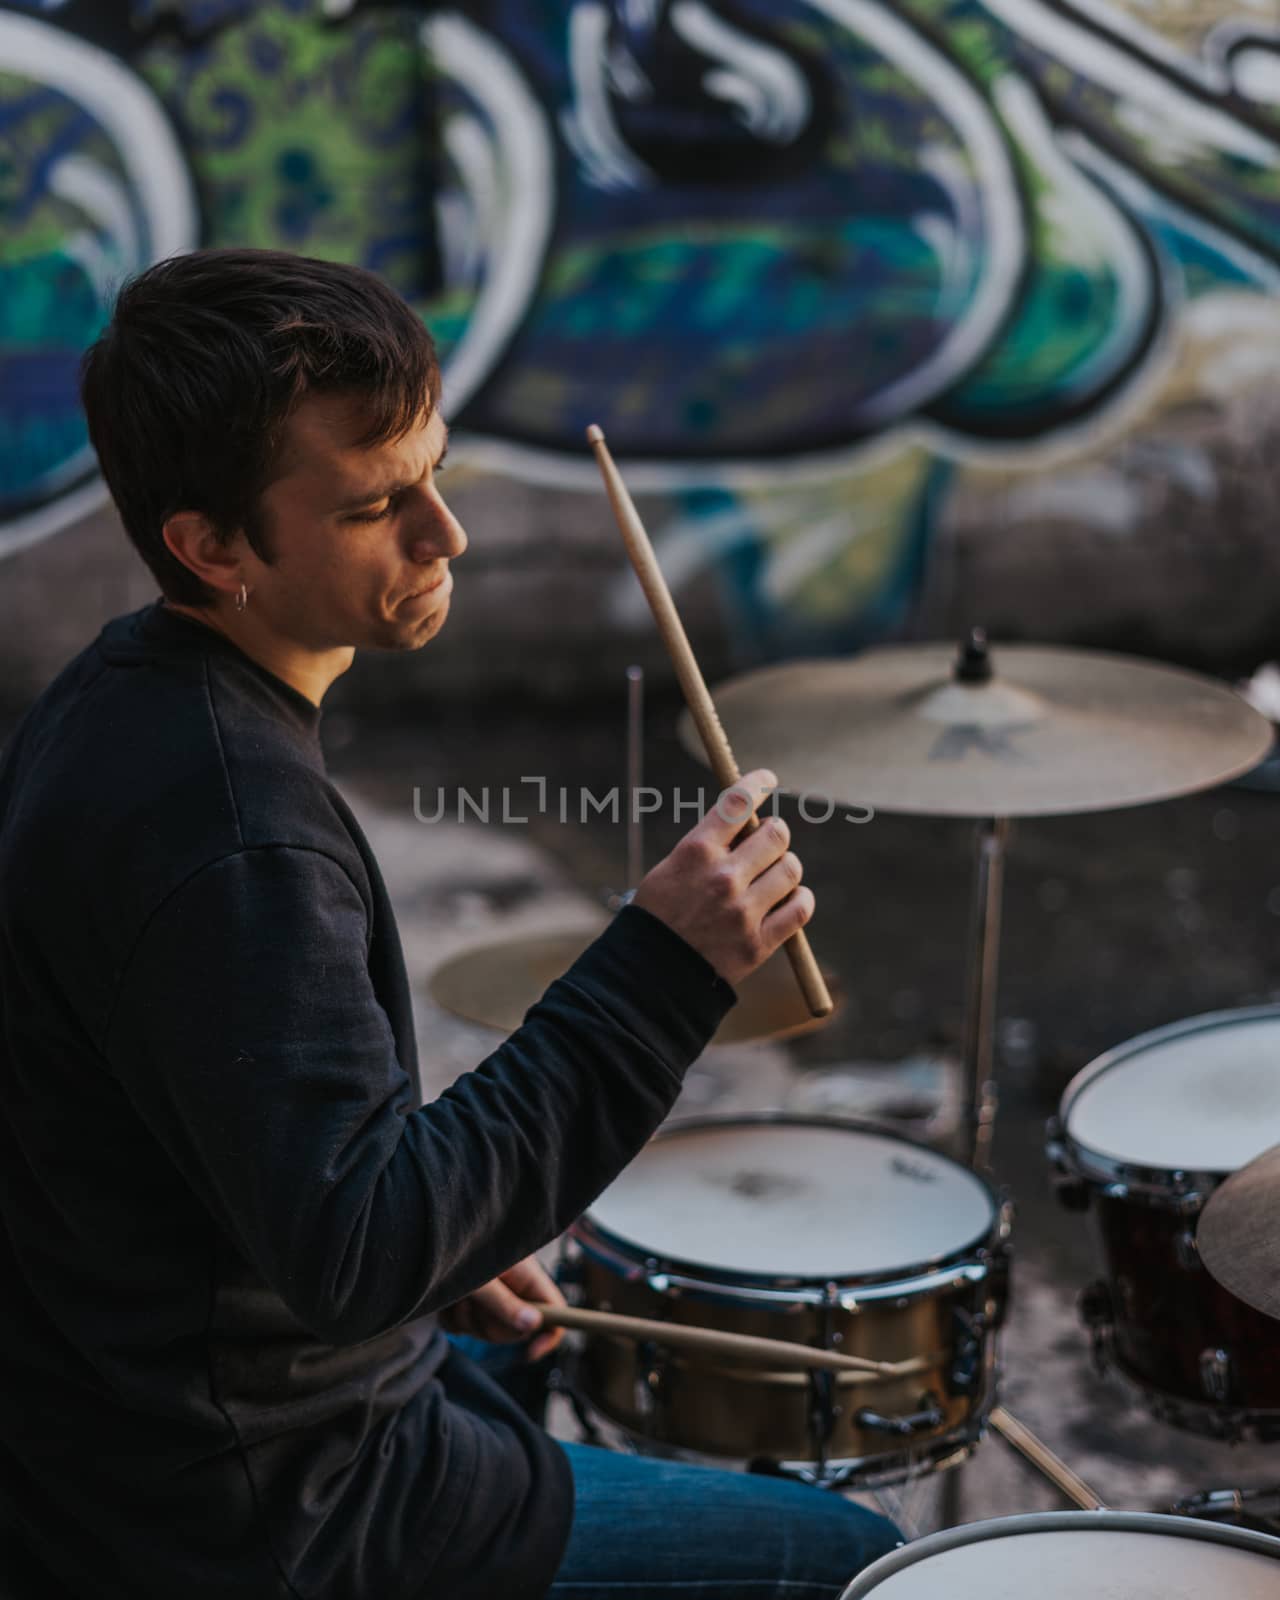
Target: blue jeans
(645, 1529)
(648, 1529)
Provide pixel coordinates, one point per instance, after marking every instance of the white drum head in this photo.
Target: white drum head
(794, 1200)
(1092, 1555)
(1201, 1097)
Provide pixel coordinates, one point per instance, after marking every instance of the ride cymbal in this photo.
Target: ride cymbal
(1238, 1239)
(1024, 731)
(497, 983)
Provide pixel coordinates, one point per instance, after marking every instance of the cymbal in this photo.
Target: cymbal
(497, 983)
(1237, 1237)
(1023, 731)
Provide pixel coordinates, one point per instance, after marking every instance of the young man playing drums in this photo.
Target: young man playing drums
(231, 1230)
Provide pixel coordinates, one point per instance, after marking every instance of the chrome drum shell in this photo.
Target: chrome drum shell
(942, 1316)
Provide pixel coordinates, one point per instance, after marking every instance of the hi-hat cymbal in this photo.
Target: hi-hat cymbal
(1029, 731)
(496, 984)
(1237, 1237)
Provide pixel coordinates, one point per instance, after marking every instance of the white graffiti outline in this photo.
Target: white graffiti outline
(588, 126)
(1005, 244)
(1023, 114)
(522, 230)
(1136, 84)
(949, 88)
(1049, 450)
(763, 82)
(1139, 195)
(127, 110)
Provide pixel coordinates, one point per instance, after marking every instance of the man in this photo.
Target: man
(228, 1221)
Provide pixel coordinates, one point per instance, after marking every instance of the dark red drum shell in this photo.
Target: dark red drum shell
(1167, 1310)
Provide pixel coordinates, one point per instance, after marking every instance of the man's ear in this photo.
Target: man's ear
(191, 539)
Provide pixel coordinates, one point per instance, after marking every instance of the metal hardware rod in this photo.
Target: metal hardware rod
(635, 775)
(983, 979)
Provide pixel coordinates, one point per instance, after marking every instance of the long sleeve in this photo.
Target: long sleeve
(248, 1035)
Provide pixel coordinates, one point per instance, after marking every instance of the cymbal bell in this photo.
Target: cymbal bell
(1237, 1237)
(1021, 731)
(497, 983)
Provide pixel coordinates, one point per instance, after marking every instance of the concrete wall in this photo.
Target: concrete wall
(898, 316)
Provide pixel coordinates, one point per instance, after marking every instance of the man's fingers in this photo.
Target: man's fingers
(755, 852)
(531, 1280)
(735, 805)
(545, 1343)
(503, 1316)
(788, 918)
(776, 883)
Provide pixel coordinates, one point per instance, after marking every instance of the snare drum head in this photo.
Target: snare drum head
(794, 1200)
(1203, 1096)
(1076, 1556)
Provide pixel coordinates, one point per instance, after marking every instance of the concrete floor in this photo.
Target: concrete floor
(1114, 924)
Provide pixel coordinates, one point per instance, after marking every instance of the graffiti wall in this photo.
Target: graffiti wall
(838, 277)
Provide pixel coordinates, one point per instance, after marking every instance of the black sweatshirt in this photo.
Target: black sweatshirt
(227, 1217)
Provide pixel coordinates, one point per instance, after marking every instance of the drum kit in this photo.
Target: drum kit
(822, 1298)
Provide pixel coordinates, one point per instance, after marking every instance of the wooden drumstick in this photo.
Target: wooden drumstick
(771, 1352)
(697, 697)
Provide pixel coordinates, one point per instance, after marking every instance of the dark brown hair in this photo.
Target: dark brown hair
(205, 358)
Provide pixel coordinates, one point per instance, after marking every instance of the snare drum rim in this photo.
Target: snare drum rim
(908, 1555)
(1184, 1188)
(969, 1261)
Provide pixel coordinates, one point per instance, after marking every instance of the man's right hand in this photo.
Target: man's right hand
(734, 902)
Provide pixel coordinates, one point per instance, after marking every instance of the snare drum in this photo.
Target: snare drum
(834, 1234)
(1147, 1133)
(1072, 1555)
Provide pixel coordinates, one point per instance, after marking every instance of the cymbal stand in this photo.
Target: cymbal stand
(633, 820)
(980, 1093)
(635, 776)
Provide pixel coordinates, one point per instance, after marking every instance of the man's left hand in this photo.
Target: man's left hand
(506, 1309)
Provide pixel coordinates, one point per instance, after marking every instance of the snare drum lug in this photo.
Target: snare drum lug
(650, 1378)
(1187, 1199)
(995, 1303)
(1185, 1250)
(968, 1331)
(823, 1412)
(1116, 1190)
(929, 1416)
(1215, 1375)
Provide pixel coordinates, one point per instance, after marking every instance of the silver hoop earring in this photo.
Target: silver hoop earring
(242, 598)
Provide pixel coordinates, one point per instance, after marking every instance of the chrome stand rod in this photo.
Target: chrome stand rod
(980, 1094)
(635, 775)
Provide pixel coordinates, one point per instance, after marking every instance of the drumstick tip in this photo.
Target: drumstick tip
(595, 434)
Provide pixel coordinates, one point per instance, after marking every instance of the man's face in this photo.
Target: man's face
(360, 539)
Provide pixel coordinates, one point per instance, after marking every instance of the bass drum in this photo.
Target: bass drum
(1145, 1135)
(834, 1234)
(1075, 1555)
